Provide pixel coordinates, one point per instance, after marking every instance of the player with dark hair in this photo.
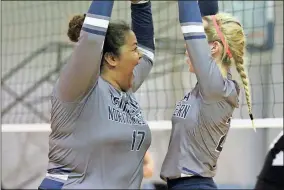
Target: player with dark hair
(272, 173)
(201, 120)
(99, 136)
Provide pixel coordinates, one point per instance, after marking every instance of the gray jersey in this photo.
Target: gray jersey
(198, 133)
(100, 140)
(201, 120)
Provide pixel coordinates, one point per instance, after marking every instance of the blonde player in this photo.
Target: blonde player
(99, 136)
(201, 120)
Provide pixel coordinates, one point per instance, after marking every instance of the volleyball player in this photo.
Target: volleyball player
(201, 120)
(272, 173)
(99, 136)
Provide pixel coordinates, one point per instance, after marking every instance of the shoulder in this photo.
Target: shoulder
(229, 93)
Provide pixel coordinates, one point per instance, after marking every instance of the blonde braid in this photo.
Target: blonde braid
(234, 37)
(241, 70)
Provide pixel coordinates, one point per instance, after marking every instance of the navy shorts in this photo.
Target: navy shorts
(50, 184)
(193, 182)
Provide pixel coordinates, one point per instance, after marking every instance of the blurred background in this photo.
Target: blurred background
(35, 47)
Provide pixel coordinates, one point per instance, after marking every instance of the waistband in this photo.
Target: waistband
(194, 182)
(193, 178)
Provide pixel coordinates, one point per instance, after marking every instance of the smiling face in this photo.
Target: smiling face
(124, 61)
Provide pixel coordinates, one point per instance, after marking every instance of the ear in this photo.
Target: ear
(111, 59)
(216, 48)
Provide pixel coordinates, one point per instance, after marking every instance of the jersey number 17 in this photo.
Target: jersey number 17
(137, 142)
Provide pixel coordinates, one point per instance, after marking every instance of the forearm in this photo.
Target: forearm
(83, 67)
(142, 25)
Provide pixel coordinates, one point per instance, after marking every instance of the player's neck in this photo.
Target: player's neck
(110, 78)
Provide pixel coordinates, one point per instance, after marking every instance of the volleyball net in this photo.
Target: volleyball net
(35, 46)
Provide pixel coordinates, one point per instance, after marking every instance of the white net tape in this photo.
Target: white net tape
(154, 125)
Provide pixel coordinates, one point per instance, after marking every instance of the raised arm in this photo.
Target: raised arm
(208, 75)
(142, 25)
(82, 70)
